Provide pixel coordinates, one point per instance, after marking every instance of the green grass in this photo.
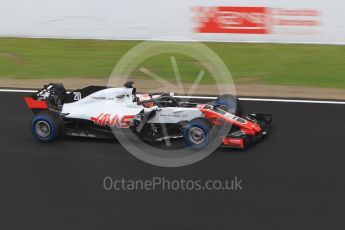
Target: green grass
(277, 64)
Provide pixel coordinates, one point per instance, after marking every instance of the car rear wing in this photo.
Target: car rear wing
(35, 104)
(51, 96)
(54, 95)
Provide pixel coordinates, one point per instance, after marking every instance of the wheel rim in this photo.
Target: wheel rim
(42, 128)
(196, 135)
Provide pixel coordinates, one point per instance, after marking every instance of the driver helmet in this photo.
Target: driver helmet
(145, 97)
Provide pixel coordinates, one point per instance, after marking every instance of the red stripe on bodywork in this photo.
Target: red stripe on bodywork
(248, 127)
(35, 104)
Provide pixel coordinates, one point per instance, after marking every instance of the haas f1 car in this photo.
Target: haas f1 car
(95, 111)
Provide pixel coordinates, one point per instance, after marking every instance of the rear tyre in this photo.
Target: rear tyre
(230, 103)
(197, 132)
(47, 126)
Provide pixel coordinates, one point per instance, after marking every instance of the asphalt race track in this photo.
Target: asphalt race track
(295, 179)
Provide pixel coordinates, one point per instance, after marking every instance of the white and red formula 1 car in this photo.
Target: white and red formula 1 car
(94, 112)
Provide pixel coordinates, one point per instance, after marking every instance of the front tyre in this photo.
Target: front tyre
(196, 133)
(231, 104)
(47, 126)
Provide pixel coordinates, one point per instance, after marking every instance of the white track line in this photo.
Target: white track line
(212, 98)
(197, 97)
(268, 100)
(293, 101)
(18, 90)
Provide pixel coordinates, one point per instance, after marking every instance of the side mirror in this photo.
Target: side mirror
(129, 84)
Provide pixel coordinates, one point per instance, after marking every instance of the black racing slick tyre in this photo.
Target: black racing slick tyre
(230, 103)
(47, 126)
(197, 133)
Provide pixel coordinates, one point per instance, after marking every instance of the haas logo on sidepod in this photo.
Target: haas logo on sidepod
(105, 119)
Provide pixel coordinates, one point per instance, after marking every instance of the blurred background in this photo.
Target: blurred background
(286, 48)
(272, 48)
